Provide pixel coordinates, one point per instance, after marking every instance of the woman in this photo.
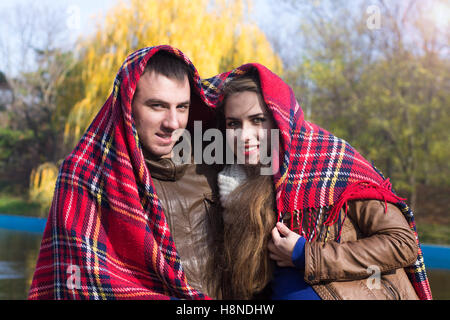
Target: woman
(321, 181)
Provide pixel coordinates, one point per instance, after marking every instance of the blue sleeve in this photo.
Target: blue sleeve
(298, 255)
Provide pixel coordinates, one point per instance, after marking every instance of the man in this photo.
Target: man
(126, 222)
(187, 191)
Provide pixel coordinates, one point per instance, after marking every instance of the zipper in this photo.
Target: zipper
(209, 202)
(331, 291)
(393, 290)
(389, 289)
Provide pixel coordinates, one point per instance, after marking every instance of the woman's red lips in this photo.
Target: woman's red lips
(250, 149)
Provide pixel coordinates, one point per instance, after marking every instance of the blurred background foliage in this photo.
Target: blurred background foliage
(215, 36)
(384, 88)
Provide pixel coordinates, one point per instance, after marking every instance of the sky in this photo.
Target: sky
(80, 13)
(85, 8)
(78, 17)
(278, 23)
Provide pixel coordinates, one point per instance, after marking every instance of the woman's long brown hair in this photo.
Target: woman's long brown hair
(247, 266)
(242, 255)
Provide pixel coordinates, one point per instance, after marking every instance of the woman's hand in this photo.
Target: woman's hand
(280, 249)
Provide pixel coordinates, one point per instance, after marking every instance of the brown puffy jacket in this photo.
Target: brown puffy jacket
(368, 263)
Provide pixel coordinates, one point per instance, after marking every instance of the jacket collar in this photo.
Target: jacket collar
(164, 168)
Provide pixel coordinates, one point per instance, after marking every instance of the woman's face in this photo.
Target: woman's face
(250, 123)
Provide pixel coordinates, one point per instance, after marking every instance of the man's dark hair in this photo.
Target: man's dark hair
(169, 65)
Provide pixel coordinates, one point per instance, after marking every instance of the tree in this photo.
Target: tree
(36, 70)
(385, 90)
(216, 36)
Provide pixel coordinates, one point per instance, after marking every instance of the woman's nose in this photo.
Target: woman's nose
(249, 133)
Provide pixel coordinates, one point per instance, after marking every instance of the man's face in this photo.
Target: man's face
(160, 106)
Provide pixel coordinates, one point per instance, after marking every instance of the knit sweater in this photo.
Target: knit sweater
(288, 282)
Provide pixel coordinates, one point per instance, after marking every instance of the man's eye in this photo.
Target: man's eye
(156, 105)
(233, 124)
(183, 106)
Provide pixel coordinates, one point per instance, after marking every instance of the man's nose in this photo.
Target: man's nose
(171, 120)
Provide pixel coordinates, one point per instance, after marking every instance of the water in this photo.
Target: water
(19, 251)
(18, 256)
(22, 223)
(436, 256)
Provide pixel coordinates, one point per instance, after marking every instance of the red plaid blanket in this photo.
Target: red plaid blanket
(107, 237)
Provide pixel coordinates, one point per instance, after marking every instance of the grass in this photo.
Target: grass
(433, 233)
(16, 205)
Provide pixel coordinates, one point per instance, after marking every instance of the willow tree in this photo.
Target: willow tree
(217, 36)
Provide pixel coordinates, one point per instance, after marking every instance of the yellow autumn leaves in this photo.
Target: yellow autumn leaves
(217, 36)
(42, 183)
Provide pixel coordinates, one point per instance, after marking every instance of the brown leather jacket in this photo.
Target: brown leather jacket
(188, 195)
(372, 240)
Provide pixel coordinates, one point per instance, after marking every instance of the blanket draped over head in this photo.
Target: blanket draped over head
(319, 173)
(106, 236)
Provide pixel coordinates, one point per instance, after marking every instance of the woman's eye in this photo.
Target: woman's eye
(258, 120)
